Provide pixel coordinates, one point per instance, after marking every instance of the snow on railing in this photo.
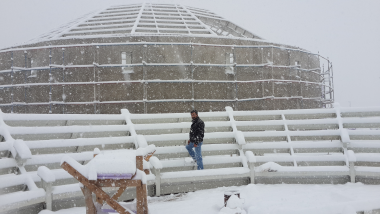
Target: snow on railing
(310, 142)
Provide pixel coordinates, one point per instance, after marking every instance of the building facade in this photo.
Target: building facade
(155, 58)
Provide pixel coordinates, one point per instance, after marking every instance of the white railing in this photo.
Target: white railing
(240, 146)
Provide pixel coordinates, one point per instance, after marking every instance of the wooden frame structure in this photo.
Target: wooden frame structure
(96, 186)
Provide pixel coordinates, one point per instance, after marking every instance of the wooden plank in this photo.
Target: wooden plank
(99, 199)
(90, 207)
(139, 163)
(145, 198)
(117, 183)
(139, 200)
(118, 193)
(148, 156)
(95, 189)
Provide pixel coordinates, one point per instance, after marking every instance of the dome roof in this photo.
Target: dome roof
(148, 19)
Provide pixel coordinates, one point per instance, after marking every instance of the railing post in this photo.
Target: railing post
(132, 130)
(251, 162)
(352, 172)
(157, 181)
(157, 166)
(47, 179)
(352, 160)
(252, 172)
(22, 151)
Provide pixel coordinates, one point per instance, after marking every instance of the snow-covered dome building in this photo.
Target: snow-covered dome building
(153, 58)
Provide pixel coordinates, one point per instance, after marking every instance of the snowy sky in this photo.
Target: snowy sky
(346, 31)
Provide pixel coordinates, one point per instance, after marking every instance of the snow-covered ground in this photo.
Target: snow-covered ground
(268, 199)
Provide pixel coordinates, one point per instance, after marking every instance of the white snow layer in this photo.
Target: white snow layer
(106, 165)
(22, 149)
(155, 162)
(267, 199)
(269, 167)
(46, 174)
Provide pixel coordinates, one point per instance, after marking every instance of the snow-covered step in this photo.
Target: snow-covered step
(365, 146)
(368, 159)
(79, 144)
(207, 174)
(207, 150)
(298, 146)
(303, 171)
(209, 162)
(303, 160)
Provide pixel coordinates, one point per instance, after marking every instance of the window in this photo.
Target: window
(126, 59)
(230, 62)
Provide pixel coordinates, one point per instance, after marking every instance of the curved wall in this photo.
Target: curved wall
(166, 74)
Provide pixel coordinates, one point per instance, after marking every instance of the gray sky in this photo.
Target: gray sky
(346, 31)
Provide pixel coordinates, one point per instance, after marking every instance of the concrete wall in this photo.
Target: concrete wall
(109, 96)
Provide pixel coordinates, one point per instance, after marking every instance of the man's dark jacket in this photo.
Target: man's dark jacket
(197, 131)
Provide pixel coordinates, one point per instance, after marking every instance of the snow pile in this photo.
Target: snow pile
(22, 149)
(234, 206)
(239, 136)
(142, 141)
(96, 151)
(267, 199)
(250, 156)
(146, 164)
(46, 174)
(140, 175)
(111, 164)
(143, 151)
(269, 167)
(155, 162)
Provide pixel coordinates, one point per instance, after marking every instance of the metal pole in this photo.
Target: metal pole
(262, 72)
(192, 75)
(96, 77)
(63, 79)
(235, 78)
(332, 83)
(12, 82)
(144, 78)
(94, 49)
(26, 65)
(50, 82)
(299, 74)
(330, 78)
(274, 106)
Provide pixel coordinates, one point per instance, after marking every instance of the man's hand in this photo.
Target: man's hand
(195, 145)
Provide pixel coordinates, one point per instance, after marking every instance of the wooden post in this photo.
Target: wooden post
(139, 163)
(145, 198)
(99, 199)
(90, 207)
(118, 193)
(139, 199)
(140, 202)
(95, 189)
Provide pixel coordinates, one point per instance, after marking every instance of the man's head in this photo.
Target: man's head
(194, 114)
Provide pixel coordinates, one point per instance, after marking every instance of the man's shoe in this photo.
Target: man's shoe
(189, 161)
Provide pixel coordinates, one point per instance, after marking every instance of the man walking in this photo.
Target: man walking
(197, 131)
